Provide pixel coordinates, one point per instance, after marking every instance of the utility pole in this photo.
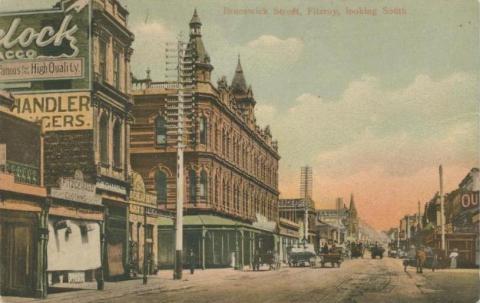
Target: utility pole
(183, 68)
(442, 210)
(145, 261)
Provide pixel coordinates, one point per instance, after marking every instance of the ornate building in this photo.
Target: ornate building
(231, 164)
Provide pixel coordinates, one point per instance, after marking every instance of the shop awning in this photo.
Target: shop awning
(203, 220)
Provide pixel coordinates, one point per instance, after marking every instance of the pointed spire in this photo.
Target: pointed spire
(195, 18)
(352, 203)
(239, 84)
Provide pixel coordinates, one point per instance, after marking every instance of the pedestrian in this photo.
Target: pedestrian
(325, 248)
(453, 258)
(420, 259)
(434, 260)
(191, 257)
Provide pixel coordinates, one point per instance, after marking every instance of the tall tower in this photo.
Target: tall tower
(306, 182)
(201, 59)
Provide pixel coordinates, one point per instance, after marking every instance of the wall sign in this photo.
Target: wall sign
(57, 111)
(77, 190)
(470, 200)
(47, 45)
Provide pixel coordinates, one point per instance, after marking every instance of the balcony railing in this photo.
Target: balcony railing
(23, 173)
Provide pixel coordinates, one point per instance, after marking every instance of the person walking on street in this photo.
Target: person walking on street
(420, 258)
(453, 258)
(191, 258)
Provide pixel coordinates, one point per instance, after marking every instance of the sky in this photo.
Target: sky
(374, 103)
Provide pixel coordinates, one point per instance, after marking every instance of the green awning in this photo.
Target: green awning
(203, 220)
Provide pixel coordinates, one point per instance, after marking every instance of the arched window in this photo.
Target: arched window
(193, 185)
(203, 184)
(104, 139)
(160, 130)
(161, 186)
(117, 144)
(203, 130)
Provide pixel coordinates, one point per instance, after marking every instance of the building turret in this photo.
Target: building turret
(243, 94)
(201, 59)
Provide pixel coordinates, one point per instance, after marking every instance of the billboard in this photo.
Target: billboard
(57, 111)
(47, 50)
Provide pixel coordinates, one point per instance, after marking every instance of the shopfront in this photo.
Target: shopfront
(75, 226)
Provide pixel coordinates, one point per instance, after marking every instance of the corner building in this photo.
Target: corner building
(231, 164)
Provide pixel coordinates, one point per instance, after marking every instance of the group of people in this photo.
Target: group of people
(421, 253)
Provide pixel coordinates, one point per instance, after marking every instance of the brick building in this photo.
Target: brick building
(231, 164)
(85, 115)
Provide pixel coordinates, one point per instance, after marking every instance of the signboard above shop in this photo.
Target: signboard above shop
(47, 50)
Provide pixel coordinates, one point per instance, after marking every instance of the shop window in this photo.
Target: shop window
(117, 144)
(104, 139)
(161, 186)
(203, 184)
(160, 130)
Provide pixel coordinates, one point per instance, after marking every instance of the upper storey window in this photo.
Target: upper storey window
(160, 130)
(203, 130)
(116, 70)
(104, 139)
(103, 60)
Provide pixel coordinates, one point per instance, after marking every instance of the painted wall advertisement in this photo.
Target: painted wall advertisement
(56, 111)
(46, 50)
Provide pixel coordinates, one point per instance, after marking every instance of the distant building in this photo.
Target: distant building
(331, 223)
(461, 220)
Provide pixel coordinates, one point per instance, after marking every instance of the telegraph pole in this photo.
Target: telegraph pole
(442, 210)
(183, 67)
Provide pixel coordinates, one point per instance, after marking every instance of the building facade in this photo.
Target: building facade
(85, 119)
(231, 164)
(23, 205)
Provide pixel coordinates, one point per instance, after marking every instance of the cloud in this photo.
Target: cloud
(411, 127)
(383, 143)
(265, 113)
(149, 48)
(270, 46)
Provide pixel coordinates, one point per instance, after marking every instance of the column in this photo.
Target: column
(103, 256)
(242, 249)
(204, 235)
(41, 273)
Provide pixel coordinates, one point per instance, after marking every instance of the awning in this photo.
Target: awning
(203, 220)
(73, 245)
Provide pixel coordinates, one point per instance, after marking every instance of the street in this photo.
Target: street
(359, 280)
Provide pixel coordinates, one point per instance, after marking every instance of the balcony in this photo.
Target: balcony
(23, 173)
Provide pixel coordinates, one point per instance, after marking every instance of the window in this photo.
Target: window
(193, 185)
(203, 130)
(103, 60)
(117, 144)
(160, 130)
(104, 139)
(161, 186)
(203, 184)
(116, 70)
